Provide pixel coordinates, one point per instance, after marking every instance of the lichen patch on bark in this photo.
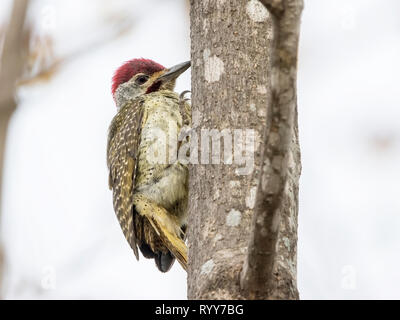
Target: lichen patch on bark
(207, 267)
(256, 11)
(213, 67)
(233, 218)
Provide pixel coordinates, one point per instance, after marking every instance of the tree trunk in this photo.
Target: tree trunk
(236, 48)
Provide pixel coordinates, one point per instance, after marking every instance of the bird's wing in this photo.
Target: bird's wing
(122, 152)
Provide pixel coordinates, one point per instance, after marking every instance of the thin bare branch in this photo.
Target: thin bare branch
(11, 65)
(13, 54)
(257, 279)
(122, 27)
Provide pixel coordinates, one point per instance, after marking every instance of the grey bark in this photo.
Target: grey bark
(13, 55)
(280, 156)
(233, 87)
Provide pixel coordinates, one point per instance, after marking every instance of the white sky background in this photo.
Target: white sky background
(61, 236)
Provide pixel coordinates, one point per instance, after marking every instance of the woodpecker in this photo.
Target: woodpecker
(149, 195)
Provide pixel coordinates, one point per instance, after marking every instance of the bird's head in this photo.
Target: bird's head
(142, 76)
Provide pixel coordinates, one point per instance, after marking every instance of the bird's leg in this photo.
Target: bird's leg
(165, 224)
(185, 108)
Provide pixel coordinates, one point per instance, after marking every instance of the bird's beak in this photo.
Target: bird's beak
(174, 72)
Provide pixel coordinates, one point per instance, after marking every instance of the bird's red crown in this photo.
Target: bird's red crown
(132, 67)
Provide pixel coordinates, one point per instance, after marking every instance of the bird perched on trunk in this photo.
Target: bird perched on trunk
(149, 189)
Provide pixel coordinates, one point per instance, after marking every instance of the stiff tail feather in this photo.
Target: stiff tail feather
(165, 225)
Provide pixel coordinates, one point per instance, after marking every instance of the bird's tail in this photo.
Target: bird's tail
(165, 225)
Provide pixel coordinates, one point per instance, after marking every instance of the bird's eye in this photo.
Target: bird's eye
(142, 79)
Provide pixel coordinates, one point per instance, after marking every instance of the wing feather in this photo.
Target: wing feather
(143, 222)
(122, 151)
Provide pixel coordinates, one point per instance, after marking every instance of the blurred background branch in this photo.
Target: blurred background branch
(28, 58)
(13, 56)
(43, 63)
